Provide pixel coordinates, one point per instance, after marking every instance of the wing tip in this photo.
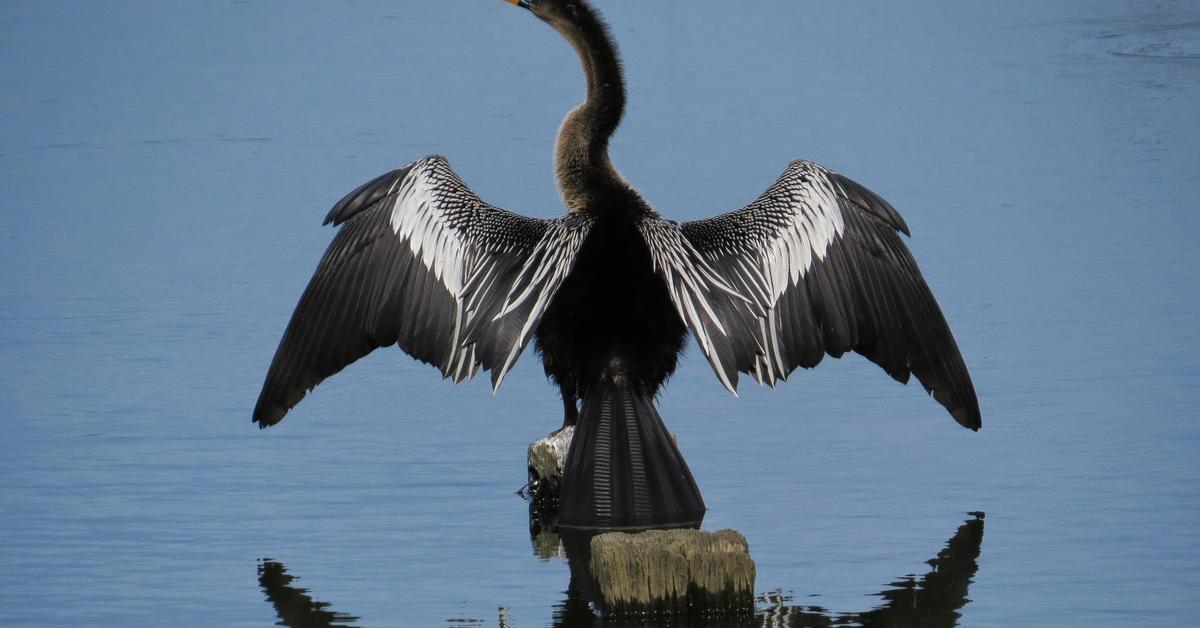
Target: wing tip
(967, 415)
(266, 417)
(270, 409)
(962, 404)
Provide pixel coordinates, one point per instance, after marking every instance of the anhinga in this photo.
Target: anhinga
(609, 291)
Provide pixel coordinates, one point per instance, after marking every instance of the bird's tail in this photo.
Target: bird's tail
(623, 469)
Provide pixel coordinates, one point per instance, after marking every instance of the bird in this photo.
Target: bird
(609, 291)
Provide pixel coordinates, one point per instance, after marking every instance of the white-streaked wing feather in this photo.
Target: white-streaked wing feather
(422, 262)
(698, 292)
(821, 270)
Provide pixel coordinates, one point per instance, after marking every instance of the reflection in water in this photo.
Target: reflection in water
(543, 523)
(292, 604)
(932, 600)
(297, 609)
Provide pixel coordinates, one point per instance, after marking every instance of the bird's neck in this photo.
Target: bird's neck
(584, 170)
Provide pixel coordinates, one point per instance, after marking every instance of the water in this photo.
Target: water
(165, 168)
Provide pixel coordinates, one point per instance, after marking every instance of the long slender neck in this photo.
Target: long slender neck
(581, 156)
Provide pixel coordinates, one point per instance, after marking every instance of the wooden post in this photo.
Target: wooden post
(672, 572)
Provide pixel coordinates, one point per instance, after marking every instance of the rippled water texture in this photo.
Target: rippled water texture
(165, 167)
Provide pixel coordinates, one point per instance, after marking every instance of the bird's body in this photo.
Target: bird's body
(609, 291)
(612, 317)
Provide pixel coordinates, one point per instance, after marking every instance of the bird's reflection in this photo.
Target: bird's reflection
(931, 600)
(292, 604)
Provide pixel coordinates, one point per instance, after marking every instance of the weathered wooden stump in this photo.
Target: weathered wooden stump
(672, 572)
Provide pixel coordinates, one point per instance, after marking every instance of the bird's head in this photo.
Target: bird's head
(557, 13)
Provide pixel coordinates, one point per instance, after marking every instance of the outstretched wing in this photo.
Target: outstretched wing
(814, 266)
(422, 262)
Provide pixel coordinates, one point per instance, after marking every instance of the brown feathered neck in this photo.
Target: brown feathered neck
(581, 155)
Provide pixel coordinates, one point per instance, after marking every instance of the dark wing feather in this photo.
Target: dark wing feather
(422, 262)
(823, 271)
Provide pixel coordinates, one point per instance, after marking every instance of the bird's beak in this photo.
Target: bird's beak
(521, 3)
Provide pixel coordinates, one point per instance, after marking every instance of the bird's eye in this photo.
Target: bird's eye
(573, 10)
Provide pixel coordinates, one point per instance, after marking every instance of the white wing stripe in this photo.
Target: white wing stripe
(812, 221)
(543, 272)
(780, 236)
(420, 220)
(428, 203)
(690, 282)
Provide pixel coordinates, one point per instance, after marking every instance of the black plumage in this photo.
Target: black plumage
(813, 267)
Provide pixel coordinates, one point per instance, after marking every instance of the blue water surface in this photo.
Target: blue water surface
(165, 166)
